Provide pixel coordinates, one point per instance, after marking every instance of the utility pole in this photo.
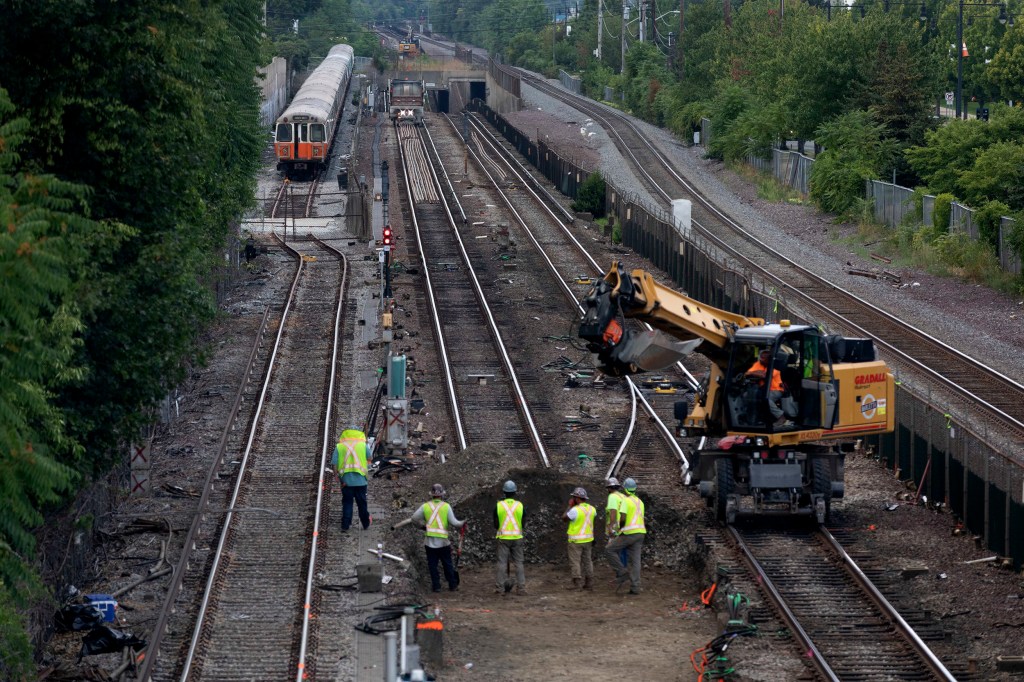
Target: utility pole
(643, 21)
(600, 26)
(681, 62)
(625, 18)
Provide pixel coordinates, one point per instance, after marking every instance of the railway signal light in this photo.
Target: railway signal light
(386, 237)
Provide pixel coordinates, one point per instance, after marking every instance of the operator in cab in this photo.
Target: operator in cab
(776, 389)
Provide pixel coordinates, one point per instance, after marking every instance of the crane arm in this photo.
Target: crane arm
(692, 325)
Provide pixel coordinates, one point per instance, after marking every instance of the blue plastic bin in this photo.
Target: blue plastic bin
(106, 604)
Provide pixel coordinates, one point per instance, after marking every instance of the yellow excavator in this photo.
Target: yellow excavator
(777, 412)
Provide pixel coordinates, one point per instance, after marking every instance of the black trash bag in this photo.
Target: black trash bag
(105, 640)
(75, 617)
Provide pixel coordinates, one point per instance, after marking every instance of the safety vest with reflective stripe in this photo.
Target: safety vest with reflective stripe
(352, 452)
(633, 508)
(436, 514)
(581, 529)
(615, 499)
(510, 520)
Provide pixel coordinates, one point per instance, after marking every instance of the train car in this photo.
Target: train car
(305, 131)
(405, 100)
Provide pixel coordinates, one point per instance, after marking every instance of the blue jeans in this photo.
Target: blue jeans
(358, 493)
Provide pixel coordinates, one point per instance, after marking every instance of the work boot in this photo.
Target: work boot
(575, 584)
(588, 583)
(499, 590)
(521, 590)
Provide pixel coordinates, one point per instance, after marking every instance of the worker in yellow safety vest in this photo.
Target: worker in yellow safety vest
(611, 513)
(508, 519)
(350, 464)
(580, 516)
(630, 535)
(436, 517)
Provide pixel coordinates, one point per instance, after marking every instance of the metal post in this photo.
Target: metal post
(600, 26)
(390, 656)
(959, 56)
(625, 18)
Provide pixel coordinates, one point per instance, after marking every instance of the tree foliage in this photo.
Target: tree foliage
(855, 151)
(143, 146)
(591, 195)
(41, 249)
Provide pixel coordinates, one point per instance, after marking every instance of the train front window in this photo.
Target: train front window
(304, 132)
(284, 132)
(317, 133)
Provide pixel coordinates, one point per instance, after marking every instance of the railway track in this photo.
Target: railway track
(254, 620)
(483, 386)
(642, 455)
(844, 623)
(294, 199)
(973, 387)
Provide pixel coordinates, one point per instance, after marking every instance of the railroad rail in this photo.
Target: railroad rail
(255, 620)
(847, 628)
(999, 399)
(294, 199)
(641, 454)
(648, 435)
(487, 398)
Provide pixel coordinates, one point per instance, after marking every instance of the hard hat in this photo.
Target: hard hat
(612, 483)
(580, 493)
(629, 484)
(509, 487)
(437, 490)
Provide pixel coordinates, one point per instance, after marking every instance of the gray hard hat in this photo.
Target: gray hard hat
(612, 483)
(629, 484)
(580, 493)
(509, 487)
(437, 490)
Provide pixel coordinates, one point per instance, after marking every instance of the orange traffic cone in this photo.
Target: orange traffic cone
(963, 49)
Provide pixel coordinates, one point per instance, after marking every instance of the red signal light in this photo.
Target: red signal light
(387, 236)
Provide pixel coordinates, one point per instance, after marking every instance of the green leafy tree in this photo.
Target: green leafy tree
(727, 108)
(41, 248)
(1006, 70)
(997, 174)
(590, 196)
(855, 151)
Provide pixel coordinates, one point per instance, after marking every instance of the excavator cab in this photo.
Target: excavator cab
(794, 392)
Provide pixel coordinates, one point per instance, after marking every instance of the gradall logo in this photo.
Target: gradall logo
(865, 379)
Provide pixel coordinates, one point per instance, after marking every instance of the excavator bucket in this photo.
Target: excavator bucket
(648, 351)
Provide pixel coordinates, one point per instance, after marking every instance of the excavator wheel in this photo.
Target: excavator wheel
(724, 488)
(822, 487)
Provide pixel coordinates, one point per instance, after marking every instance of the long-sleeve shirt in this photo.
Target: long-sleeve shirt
(420, 519)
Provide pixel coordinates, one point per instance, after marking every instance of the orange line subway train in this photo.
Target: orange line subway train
(305, 131)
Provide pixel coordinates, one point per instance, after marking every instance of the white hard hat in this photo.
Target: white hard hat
(612, 483)
(580, 493)
(437, 490)
(509, 487)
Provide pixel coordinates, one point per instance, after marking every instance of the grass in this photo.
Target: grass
(935, 252)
